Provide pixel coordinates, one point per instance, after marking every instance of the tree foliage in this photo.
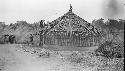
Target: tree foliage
(111, 49)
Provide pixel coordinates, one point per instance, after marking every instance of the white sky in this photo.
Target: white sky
(35, 10)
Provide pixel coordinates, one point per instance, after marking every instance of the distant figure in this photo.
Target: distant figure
(42, 23)
(12, 39)
(70, 10)
(9, 39)
(31, 39)
(6, 38)
(41, 37)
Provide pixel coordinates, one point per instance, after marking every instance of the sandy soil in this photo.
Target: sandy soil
(14, 58)
(24, 58)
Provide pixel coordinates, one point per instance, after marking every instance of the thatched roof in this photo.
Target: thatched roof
(70, 22)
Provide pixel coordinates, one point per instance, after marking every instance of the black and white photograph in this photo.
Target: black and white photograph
(62, 35)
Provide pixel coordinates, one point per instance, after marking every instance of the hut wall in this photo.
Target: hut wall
(66, 40)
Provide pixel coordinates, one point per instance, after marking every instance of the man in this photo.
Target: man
(42, 23)
(12, 39)
(31, 39)
(6, 38)
(41, 37)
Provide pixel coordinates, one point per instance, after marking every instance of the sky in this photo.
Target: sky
(36, 10)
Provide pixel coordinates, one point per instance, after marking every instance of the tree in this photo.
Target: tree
(99, 23)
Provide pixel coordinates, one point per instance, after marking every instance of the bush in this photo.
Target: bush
(44, 53)
(111, 49)
(74, 57)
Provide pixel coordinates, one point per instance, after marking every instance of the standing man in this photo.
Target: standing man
(12, 39)
(6, 38)
(42, 23)
(42, 26)
(41, 38)
(31, 39)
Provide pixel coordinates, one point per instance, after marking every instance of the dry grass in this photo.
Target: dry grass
(97, 63)
(86, 60)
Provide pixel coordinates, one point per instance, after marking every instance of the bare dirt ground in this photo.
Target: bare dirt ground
(15, 59)
(26, 58)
